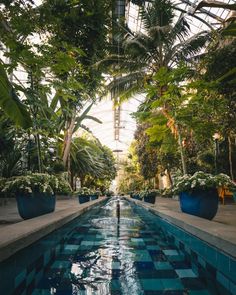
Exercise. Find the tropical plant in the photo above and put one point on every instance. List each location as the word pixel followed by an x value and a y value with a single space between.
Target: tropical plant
pixel 32 183
pixel 164 42
pixel 201 180
pixel 84 191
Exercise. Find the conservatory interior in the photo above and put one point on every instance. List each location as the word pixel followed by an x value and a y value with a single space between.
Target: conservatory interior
pixel 117 147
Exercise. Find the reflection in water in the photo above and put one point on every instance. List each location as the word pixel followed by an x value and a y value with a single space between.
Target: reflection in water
pixel 98 257
pixel 113 261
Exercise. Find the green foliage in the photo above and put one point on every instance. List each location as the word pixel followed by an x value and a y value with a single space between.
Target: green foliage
pixel 63 187
pixel 39 183
pixel 90 158
pixel 147 156
pixel 11 104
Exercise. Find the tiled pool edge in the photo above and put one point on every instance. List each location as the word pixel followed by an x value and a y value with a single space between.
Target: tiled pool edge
pixel 224 238
pixel 20 235
pixel 209 260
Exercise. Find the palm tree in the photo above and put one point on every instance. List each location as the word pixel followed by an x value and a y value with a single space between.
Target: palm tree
pixel 164 42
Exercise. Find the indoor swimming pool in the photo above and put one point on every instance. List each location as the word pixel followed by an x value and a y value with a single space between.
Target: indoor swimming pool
pixel 114 248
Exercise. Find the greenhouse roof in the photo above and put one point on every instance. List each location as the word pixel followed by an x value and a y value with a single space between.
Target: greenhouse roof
pixel 200 19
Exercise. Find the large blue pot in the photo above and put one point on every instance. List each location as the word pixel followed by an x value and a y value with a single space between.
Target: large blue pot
pixel 137 197
pixel 83 198
pixel 35 204
pixel 150 198
pixel 93 197
pixel 202 203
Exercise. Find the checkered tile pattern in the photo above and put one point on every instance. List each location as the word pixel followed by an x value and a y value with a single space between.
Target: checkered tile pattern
pixel 104 257
pixel 99 254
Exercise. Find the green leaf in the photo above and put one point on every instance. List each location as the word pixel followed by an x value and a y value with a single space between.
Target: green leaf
pixel 80 118
pixel 230 30
pixel 11 104
pixel 93 118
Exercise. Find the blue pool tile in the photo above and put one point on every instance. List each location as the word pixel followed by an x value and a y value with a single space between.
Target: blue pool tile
pixel 144 265
pixel 30 277
pixel 199 292
pixel 115 284
pixel 61 264
pixel 170 252
pixel 152 284
pixel 38 277
pixel 153 247
pixel 201 261
pixel 41 292
pixel 222 280
pixel 185 273
pixel 193 283
pixel 232 268
pixel 115 265
pixel 70 248
pixel 157 255
pixel 20 278
pixel 211 255
pixel 180 264
pixel 20 289
pixel 223 263
pixel 87 243
pixel 162 265
pixel 142 255
pixel 232 287
pixel 172 284
pixel 176 258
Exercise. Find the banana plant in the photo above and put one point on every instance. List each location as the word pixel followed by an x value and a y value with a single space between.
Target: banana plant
pixel 72 126
pixel 10 102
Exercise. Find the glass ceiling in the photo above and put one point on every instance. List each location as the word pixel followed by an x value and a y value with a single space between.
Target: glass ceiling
pixel 203 19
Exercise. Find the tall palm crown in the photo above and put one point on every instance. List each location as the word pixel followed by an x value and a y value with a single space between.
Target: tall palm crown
pixel 163 42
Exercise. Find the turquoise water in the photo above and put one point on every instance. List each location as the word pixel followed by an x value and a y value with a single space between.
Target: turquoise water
pixel 117 248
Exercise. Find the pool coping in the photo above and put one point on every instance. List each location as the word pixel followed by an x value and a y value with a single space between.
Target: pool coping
pixel 218 235
pixel 17 236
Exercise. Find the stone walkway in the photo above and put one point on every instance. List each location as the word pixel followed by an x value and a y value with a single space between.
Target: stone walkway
pixel 9 213
pixel 226 213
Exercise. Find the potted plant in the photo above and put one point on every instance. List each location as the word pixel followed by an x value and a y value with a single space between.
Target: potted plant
pixel 35 193
pixel 64 189
pixel 198 193
pixel 136 195
pixel 95 195
pixel 149 195
pixel 83 195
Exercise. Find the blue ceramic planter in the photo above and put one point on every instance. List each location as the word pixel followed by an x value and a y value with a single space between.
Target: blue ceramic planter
pixel 93 197
pixel 83 198
pixel 150 198
pixel 35 204
pixel 202 203
pixel 137 197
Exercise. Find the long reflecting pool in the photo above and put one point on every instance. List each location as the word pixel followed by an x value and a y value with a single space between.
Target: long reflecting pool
pixel 115 248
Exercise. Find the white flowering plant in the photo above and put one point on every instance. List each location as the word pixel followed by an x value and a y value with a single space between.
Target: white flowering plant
pixel 64 187
pixel 83 191
pixel 201 180
pixel 149 193
pixel 32 183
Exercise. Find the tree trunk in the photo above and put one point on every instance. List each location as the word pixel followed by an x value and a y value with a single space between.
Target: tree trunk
pixel 183 160
pixel 37 139
pixel 67 141
pixel 169 176
pixel 230 158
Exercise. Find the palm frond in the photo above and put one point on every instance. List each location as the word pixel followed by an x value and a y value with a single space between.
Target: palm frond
pixel 124 83
pixel 191 46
